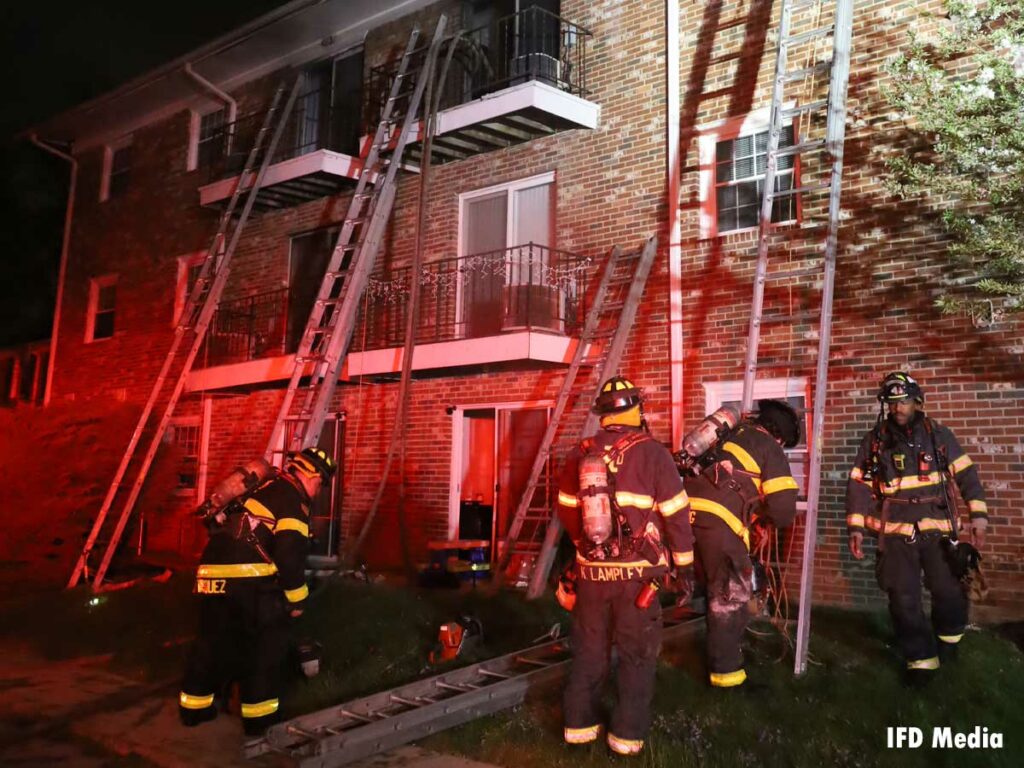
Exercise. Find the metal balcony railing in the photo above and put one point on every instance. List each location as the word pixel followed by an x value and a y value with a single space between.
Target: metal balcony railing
pixel 246 329
pixel 526 287
pixel 533 44
pixel 319 120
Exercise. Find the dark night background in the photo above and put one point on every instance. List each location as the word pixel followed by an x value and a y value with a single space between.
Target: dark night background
pixel 57 55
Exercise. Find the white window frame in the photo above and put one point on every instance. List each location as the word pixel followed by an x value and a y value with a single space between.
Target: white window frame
pixel 95 284
pixel 718 392
pixel 195 119
pixel 185 263
pixel 707 141
pixel 201 420
pixel 510 188
pixel 108 164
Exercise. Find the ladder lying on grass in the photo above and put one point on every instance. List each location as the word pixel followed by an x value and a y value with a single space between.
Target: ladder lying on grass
pixel 534 532
pixel 357 729
pixel 189 334
pixel 816 194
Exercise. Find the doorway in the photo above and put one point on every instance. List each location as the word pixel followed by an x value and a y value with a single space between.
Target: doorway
pixel 493 451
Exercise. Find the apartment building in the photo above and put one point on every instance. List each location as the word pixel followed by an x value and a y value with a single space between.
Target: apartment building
pixel 565 129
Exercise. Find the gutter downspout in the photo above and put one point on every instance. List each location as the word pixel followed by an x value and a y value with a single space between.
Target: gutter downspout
pixel 675 250
pixel 65 247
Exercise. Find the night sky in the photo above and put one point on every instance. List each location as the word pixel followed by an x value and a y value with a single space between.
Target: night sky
pixel 55 55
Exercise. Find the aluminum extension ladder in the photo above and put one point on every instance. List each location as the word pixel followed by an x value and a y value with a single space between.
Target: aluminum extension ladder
pixel 331 322
pixel 535 529
pixel 358 729
pixel 189 334
pixel 833 108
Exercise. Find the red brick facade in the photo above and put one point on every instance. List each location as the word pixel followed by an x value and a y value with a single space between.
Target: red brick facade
pixel 610 187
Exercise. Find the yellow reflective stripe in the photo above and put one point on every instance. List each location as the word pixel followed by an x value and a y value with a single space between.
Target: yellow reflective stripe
pixel 188 701
pixel 621 563
pixel 682 559
pixel 855 520
pixel 728 679
pixel 567 500
pixel 932 663
pixel 295 595
pixel 745 458
pixel 706 505
pixel 961 463
pixel 777 484
pixel 913 481
pixel 291 524
pixel 951 638
pixel 907 529
pixel 259 509
pixel 582 735
pixel 624 746
pixel 267 707
pixel 638 500
pixel 236 570
pixel 977 505
pixel 673 505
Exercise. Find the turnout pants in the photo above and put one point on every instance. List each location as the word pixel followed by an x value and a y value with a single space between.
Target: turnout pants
pixel 605 616
pixel 899 567
pixel 724 565
pixel 243 635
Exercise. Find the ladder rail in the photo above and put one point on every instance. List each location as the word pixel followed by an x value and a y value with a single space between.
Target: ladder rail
pixel 546 558
pixel 835 136
pixel 767 202
pixel 187 313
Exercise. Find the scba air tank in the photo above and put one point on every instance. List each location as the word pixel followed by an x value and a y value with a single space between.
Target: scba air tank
pixel 707 433
pixel 596 506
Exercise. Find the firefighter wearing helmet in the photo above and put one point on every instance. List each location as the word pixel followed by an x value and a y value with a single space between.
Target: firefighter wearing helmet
pixel 250 582
pixel 744 484
pixel 623 505
pixel 898 490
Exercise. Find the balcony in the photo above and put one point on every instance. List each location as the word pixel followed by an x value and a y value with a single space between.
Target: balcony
pixel 525 303
pixel 317 155
pixel 520 78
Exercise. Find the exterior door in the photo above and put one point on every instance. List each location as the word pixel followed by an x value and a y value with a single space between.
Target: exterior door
pixel 483 236
pixel 519 436
pixel 309 256
pixel 325 513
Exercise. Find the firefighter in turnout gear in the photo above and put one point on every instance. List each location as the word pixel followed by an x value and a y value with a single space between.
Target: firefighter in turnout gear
pixel 623 505
pixel 897 489
pixel 250 582
pixel 745 483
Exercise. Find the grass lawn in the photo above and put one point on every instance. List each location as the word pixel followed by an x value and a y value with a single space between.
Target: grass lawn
pixel 376 637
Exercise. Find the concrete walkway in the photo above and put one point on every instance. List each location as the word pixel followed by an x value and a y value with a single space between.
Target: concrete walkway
pixel 79 713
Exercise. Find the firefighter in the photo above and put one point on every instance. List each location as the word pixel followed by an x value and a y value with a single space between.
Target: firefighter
pixel 746 485
pixel 897 490
pixel 251 581
pixel 629 519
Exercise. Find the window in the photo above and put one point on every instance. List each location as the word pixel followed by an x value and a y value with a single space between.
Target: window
pixel 208 138
pixel 733 161
pixel 117 166
pixel 740 166
pixel 102 308
pixel 189 267
pixel 185 434
pixel 509 230
pixel 793 391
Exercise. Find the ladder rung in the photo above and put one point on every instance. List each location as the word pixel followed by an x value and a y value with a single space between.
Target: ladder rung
pixel 355 716
pixel 533 662
pixel 492 673
pixel 790 274
pixel 804 146
pixel 801 190
pixel 613 306
pixel 800 74
pixel 811 106
pixel 813 34
pixel 787 317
